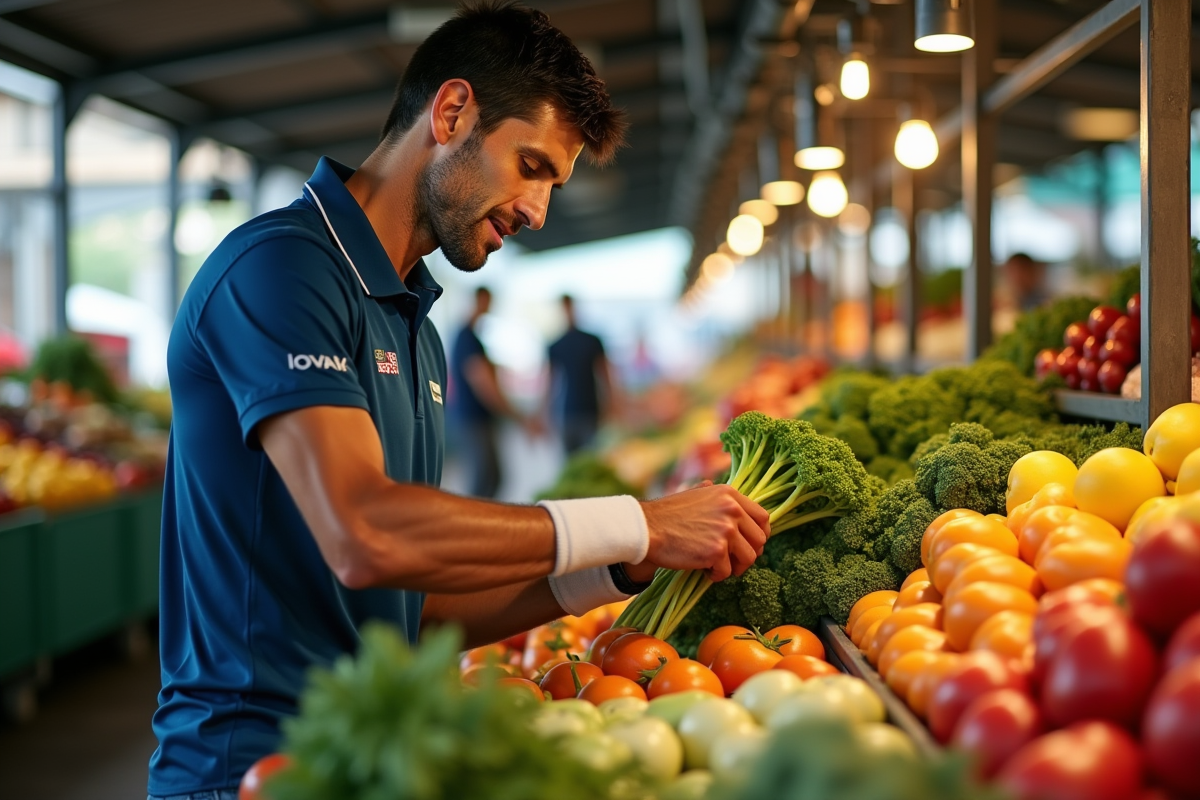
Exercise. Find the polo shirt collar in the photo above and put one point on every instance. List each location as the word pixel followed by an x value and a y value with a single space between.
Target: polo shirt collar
pixel 352 232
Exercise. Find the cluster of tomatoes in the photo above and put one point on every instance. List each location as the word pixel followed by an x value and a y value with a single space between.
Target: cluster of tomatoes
pixel 587 659
pixel 1099 351
pixel 1059 649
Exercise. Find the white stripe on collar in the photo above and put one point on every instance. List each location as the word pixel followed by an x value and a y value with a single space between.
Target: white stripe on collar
pixel 329 225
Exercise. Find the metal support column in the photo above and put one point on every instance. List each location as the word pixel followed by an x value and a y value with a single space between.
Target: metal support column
pixel 174 200
pixel 1166 27
pixel 62 225
pixel 978 160
pixel 904 200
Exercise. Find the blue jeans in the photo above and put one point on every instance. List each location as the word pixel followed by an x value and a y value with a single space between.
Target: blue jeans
pixel 211 794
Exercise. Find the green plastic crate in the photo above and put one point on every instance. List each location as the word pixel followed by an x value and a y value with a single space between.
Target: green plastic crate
pixel 144 521
pixel 82 569
pixel 19 532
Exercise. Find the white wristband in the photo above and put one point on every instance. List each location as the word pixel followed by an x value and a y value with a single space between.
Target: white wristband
pixel 580 592
pixel 596 532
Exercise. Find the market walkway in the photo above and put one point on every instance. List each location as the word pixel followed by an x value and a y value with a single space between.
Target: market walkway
pixel 91 739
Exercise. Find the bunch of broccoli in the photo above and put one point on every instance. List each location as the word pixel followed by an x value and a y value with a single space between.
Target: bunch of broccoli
pixel 585 475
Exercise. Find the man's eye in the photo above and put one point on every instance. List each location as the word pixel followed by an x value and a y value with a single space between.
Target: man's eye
pixel 529 169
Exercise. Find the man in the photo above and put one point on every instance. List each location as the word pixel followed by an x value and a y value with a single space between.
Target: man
pixel 308 428
pixel 580 376
pixel 1026 281
pixel 476 403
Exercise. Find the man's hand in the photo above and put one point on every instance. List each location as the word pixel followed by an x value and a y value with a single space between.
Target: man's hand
pixel 710 528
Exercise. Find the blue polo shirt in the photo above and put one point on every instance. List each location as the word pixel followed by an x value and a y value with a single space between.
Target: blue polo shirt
pixel 298 307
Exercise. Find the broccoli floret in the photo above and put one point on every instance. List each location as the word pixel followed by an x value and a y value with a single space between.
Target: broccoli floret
pixel 854 432
pixel 904 538
pixel 970 471
pixel 889 468
pixel 855 577
pixel 909 411
pixel 853 532
pixel 804 579
pixel 760 598
pixel 895 501
pixel 849 393
pixel 1122 435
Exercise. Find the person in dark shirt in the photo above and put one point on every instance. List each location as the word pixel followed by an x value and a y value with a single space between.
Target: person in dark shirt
pixel 477 404
pixel 581 386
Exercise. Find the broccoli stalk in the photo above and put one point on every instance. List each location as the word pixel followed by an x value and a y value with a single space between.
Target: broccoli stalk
pixel 789 469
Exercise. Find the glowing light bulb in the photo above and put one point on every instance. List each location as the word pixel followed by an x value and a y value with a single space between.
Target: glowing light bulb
pixel 856 78
pixel 745 235
pixel 827 194
pixel 717 268
pixel 764 211
pixel 783 193
pixel 944 43
pixel 818 158
pixel 916 144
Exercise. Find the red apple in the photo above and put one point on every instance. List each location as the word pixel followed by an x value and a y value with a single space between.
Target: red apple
pixel 1111 376
pixel 1043 362
pixel 1068 362
pixel 1101 319
pixel 1074 335
pixel 1119 351
pixel 1087 369
pixel 1125 329
pixel 1091 347
pixel 1133 309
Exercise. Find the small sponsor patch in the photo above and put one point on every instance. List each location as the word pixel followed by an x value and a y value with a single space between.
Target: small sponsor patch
pixel 435 389
pixel 307 361
pixel 385 361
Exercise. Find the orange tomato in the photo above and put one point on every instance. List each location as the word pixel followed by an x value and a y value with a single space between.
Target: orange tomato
pixel 936 526
pixel 684 675
pixel 1052 494
pixel 1038 526
pixel 610 687
pixel 869 636
pixel 805 667
pixel 955 559
pixel 800 641
pixel 488 654
pixel 978 530
pixel 1008 633
pixel 524 685
pixel 636 653
pixel 715 640
pixel 559 682
pixel 741 658
pixel 1000 569
pixel 1079 560
pixel 883 597
pixel 906 667
pixel 917 592
pixel 1104 589
pixel 866 620
pixel 474 674
pixel 914 637
pixel 973 604
pixel 927 614
pixel 546 641
pixel 916 576
pixel 603 641
pixel 1073 531
pixel 925 681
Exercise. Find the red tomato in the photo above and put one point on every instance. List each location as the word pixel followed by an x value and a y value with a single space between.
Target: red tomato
pixel 265 767
pixel 1091 350
pixel 546 642
pixel 1104 671
pixel 805 667
pixel 1110 376
pixel 1133 309
pixel 560 681
pixel 473 675
pixel 524 685
pixel 633 654
pixel 715 640
pixel 610 687
pixel 1074 334
pixel 799 641
pixel 994 726
pixel 1184 645
pixel 684 675
pixel 1171 730
pixel 974 675
pixel 1162 580
pixel 1101 319
pixel 1126 329
pixel 738 659
pixel 1087 761
pixel 603 641
pixel 1043 362
pixel 1060 623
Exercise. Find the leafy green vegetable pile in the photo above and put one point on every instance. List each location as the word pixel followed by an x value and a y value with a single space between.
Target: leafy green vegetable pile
pixel 396 722
pixel 1039 329
pixel 585 475
pixel 73 360
pixel 829 760
pixel 799 476
pixel 1129 281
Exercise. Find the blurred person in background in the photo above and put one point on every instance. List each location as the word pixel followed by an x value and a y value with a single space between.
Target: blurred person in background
pixel 478 404
pixel 1026 281
pixel 581 389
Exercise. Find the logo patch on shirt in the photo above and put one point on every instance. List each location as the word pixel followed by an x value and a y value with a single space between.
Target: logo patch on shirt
pixel 435 389
pixel 303 362
pixel 385 362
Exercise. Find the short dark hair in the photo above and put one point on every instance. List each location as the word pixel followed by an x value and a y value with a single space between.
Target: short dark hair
pixel 567 300
pixel 516 63
pixel 483 292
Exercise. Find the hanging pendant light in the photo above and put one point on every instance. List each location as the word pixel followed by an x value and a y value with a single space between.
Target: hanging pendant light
pixel 916 144
pixel 745 235
pixel 944 26
pixel 827 195
pixel 764 211
pixel 783 193
pixel 856 78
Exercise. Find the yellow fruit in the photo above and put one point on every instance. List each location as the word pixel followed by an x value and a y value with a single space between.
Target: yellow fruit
pixel 1114 482
pixel 1188 480
pixel 1172 436
pixel 1034 470
pixel 1151 512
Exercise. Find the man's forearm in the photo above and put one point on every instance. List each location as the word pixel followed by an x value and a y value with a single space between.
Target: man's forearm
pixel 494 614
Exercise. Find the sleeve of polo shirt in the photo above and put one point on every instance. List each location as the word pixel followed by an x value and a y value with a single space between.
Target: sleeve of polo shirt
pixel 279 328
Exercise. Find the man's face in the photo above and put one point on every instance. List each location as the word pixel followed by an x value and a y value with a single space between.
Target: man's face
pixel 491 185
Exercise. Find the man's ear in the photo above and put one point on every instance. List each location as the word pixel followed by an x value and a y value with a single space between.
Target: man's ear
pixel 453 112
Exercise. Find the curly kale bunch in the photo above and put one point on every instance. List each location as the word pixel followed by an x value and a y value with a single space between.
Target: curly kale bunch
pixel 1038 329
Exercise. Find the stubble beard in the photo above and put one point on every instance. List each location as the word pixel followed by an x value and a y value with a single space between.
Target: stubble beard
pixel 451 206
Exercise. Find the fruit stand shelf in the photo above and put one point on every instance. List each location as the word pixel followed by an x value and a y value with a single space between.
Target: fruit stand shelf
pixel 843 654
pixel 1100 406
